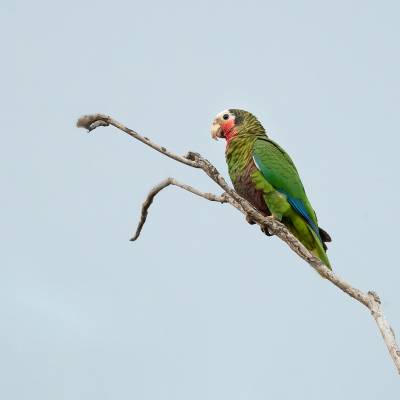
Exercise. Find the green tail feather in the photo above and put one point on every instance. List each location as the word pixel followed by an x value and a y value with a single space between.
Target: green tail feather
pixel 306 235
pixel 319 250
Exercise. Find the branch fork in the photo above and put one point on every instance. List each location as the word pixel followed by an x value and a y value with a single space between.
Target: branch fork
pixel 370 300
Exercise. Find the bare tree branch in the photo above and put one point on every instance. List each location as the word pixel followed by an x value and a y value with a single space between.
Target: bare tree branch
pixel 91 122
pixel 162 185
pixel 370 299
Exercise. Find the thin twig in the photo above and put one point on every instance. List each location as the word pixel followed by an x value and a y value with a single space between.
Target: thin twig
pixel 91 122
pixel 162 185
pixel 370 299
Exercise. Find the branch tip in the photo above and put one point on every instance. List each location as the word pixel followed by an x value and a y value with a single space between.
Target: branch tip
pixel 92 121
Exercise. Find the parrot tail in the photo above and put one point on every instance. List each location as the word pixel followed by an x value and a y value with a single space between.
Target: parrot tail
pixel 319 249
pixel 306 235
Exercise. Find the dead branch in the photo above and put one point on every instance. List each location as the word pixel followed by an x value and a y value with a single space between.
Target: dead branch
pixel 162 185
pixel 370 299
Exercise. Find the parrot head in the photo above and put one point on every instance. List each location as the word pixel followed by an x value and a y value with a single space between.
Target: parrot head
pixel 234 122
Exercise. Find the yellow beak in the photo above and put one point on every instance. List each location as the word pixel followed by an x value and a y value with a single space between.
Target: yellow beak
pixel 216 131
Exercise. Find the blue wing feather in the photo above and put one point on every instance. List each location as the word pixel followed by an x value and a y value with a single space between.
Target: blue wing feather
pixel 299 207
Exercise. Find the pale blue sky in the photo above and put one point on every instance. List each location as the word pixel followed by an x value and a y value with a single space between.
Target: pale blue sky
pixel 203 306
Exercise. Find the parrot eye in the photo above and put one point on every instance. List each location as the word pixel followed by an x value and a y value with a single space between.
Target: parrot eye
pixel 225 116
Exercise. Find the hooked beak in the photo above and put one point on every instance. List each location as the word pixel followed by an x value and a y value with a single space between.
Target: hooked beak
pixel 216 130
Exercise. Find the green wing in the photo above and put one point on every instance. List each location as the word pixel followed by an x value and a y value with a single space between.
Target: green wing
pixel 279 170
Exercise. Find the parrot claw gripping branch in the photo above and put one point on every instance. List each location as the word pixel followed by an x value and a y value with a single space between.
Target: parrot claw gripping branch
pixel 269 224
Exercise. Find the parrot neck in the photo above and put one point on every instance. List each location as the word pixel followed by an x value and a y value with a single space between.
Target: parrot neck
pixel 239 146
pixel 239 153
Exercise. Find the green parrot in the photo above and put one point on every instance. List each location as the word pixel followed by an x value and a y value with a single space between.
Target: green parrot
pixel 264 174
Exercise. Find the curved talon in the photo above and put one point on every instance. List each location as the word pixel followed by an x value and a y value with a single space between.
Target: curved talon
pixel 265 230
pixel 249 220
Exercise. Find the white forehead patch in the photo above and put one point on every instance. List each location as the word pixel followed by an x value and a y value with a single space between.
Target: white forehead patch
pixel 222 113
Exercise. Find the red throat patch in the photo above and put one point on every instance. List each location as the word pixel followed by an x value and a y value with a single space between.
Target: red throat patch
pixel 229 130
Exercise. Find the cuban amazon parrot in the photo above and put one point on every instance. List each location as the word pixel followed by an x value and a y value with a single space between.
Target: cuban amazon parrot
pixel 264 174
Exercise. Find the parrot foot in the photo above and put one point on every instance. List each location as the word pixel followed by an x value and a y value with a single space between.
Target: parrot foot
pixel 265 230
pixel 249 220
